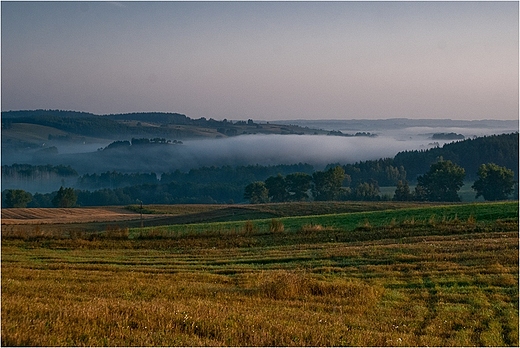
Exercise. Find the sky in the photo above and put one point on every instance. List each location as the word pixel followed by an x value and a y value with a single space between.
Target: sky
pixel 264 60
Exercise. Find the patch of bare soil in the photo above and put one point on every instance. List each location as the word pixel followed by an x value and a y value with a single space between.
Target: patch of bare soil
pixel 26 216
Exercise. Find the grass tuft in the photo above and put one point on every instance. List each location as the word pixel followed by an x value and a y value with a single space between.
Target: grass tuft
pixel 315 228
pixel 249 227
pixel 115 232
pixel 276 226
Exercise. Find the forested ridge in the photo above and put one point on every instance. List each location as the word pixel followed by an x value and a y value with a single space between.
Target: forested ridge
pixel 469 154
pixel 138 124
pixel 226 184
pixel 88 124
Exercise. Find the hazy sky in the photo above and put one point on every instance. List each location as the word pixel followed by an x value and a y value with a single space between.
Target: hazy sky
pixel 264 60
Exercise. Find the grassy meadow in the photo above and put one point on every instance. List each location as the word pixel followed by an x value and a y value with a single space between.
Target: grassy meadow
pixel 372 275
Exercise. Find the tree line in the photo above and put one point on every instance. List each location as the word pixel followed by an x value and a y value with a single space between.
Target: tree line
pixel 202 185
pixel 440 183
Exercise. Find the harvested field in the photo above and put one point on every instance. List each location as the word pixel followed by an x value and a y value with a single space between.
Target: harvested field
pixel 430 276
pixel 31 216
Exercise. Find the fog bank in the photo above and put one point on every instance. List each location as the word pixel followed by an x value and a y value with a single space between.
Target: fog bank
pixel 241 150
pixel 282 149
pixel 391 137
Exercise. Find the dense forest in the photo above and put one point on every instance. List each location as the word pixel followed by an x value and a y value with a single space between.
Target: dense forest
pixel 469 154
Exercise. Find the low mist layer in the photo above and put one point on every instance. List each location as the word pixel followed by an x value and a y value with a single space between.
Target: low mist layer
pixel 242 150
pixel 278 149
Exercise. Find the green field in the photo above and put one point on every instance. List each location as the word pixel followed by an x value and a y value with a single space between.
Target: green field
pixel 391 214
pixel 379 275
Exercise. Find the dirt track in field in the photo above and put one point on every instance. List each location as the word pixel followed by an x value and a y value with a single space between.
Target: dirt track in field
pixel 29 216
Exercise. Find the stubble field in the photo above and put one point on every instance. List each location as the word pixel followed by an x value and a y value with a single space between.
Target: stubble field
pixel 398 276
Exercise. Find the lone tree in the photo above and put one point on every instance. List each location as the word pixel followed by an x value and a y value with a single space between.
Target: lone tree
pixel 256 193
pixel 17 198
pixel 65 198
pixel 441 183
pixel 494 182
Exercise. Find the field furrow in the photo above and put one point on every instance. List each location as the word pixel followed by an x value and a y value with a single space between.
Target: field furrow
pixel 433 282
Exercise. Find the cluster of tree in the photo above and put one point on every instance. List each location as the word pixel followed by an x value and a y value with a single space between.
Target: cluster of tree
pixel 382 170
pixel 445 178
pixel 447 136
pixel 469 154
pixel 118 144
pixel 440 184
pixel 357 134
pixel 36 172
pixel 16 198
pixel 329 185
pixel 63 198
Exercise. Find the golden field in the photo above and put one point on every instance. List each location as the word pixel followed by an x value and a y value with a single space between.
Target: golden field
pixel 386 282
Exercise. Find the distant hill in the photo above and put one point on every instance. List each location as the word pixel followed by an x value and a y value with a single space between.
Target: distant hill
pixel 400 123
pixel 145 124
pixel 43 113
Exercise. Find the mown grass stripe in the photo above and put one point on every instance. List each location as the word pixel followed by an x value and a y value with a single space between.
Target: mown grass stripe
pixel 481 212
